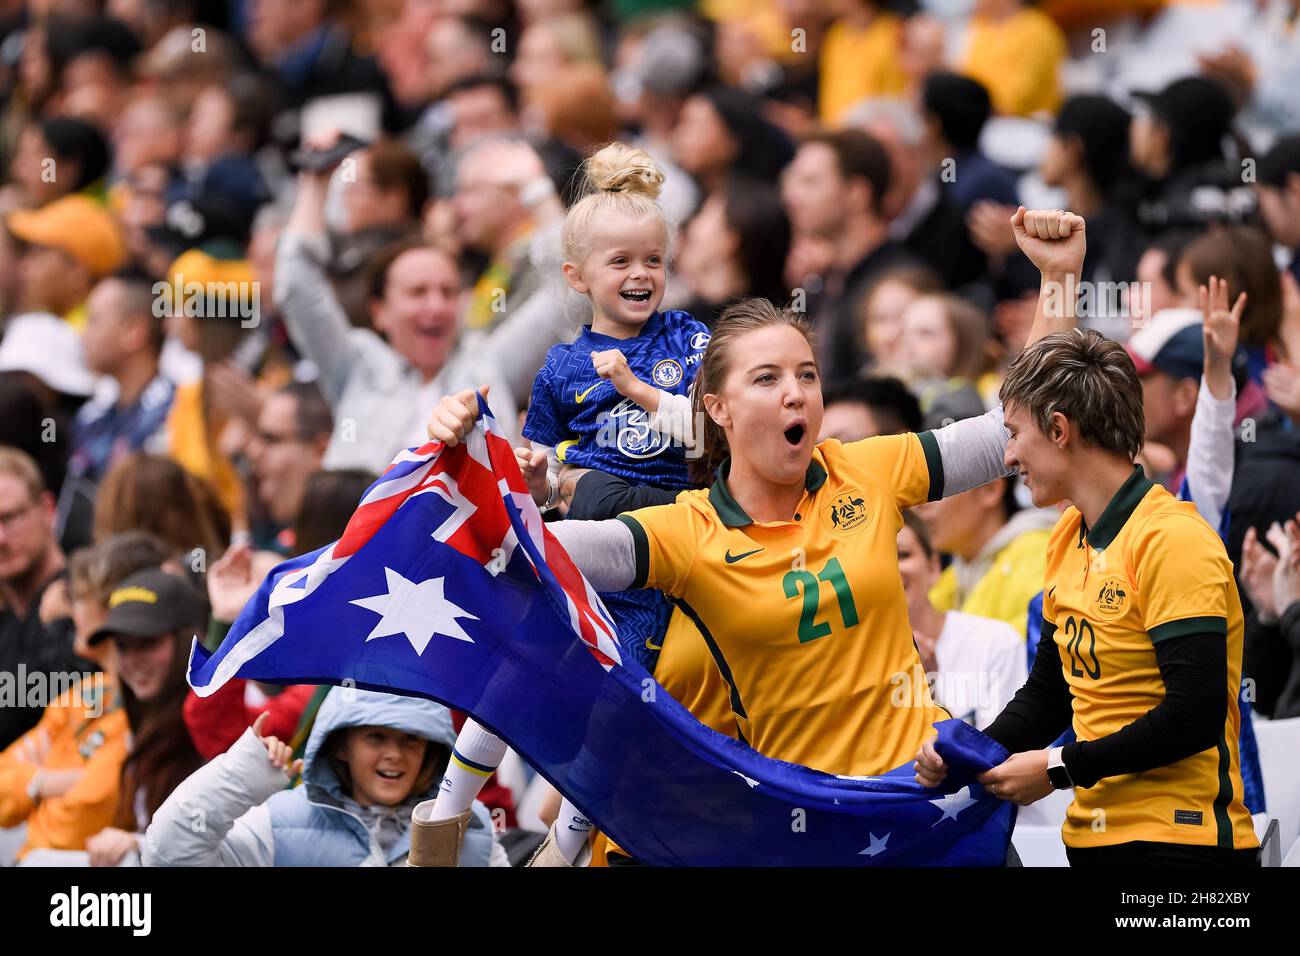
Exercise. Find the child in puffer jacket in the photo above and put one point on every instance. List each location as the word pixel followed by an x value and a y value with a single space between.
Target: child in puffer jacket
pixel 370 758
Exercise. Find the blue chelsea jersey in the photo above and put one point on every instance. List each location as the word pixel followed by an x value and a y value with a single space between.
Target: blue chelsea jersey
pixel 589 424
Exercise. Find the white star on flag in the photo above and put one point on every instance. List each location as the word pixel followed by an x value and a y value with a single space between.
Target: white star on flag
pixel 877 845
pixel 953 804
pixel 417 610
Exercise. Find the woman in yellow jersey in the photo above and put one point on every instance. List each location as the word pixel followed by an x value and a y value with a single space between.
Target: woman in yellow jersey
pixel 1141 644
pixel 788 563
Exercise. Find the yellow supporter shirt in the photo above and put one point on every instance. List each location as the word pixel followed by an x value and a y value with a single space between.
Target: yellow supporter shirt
pixel 1013 579
pixel 764 18
pixel 192 448
pixel 806 620
pixel 1151 570
pixel 857 63
pixel 1019 61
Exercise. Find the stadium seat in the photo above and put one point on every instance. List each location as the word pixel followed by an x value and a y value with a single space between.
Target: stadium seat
pixel 1293 856
pixel 1039 845
pixel 1015 141
pixel 1270 847
pixel 1047 812
pixel 1037 837
pixel 1279 742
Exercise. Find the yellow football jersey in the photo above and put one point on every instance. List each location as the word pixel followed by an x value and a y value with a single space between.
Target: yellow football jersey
pixel 1151 570
pixel 686 670
pixel 806 619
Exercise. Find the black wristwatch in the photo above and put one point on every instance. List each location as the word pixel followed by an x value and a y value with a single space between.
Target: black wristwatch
pixel 1057 775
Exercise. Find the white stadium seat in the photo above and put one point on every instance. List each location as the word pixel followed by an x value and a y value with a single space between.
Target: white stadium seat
pixel 1279 748
pixel 1037 837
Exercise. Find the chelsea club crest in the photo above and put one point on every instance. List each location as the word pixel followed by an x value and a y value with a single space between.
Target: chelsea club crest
pixel 666 373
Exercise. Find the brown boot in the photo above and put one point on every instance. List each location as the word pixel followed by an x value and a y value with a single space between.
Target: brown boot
pixel 547 854
pixel 436 842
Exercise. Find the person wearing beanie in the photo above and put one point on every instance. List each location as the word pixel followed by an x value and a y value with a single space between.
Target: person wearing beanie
pixel 669 65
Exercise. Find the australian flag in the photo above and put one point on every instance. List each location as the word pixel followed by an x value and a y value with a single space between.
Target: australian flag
pixel 446 584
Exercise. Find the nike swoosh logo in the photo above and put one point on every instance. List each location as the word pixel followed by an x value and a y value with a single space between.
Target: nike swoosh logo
pixel 579 396
pixel 653 646
pixel 733 558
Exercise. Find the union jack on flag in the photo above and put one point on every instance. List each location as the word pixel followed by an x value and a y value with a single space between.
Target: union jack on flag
pixel 480 514
pixel 446 584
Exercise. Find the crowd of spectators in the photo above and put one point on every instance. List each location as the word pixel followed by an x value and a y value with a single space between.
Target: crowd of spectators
pixel 247 246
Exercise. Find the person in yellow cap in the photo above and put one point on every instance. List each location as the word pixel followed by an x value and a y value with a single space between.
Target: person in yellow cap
pixel 205 293
pixel 70 244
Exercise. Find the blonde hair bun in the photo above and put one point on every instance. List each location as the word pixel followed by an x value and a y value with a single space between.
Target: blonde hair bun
pixel 620 168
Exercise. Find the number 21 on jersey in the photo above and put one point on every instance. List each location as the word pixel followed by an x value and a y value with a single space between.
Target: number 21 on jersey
pixel 809 584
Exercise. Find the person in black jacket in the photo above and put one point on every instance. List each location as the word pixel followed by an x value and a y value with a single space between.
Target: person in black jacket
pixel 32 651
pixel 1273 627
pixel 1175 141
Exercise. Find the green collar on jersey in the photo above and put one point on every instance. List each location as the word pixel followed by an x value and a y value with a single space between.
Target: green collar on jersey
pixel 734 516
pixel 1117 511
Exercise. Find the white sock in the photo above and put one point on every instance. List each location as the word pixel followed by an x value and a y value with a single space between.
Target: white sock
pixel 477 754
pixel 571 830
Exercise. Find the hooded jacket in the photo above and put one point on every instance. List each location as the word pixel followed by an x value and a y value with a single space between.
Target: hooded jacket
pixel 236 811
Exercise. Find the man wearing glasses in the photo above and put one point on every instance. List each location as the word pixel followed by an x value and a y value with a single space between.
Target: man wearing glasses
pixel 31 563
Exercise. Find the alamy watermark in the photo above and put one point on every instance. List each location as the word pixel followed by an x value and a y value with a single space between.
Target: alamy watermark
pixel 24 688
pixel 223 300
pixel 1098 299
pixel 959 690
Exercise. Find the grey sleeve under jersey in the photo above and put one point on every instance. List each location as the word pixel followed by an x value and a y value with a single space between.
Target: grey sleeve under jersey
pixel 602 550
pixel 972 452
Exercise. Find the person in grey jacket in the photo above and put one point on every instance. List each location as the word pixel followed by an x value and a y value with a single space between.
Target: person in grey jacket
pixel 378 383
pixel 370 759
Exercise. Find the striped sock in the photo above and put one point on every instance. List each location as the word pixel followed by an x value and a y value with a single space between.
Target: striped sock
pixel 477 754
pixel 571 830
